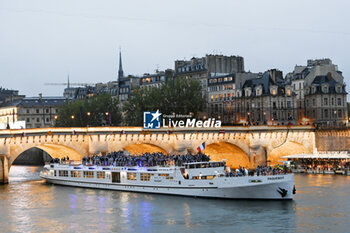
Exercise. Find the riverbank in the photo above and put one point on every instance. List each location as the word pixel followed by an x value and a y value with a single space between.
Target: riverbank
pixel 322 171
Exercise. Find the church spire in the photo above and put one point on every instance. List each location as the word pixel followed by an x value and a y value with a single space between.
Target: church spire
pixel 120 72
pixel 68 80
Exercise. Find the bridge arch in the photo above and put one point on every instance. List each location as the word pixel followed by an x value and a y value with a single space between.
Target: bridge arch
pixel 54 150
pixel 140 148
pixel 234 155
pixel 288 148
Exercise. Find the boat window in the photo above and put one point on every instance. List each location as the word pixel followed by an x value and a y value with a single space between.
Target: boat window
pixel 145 176
pixel 131 176
pixel 75 174
pixel 54 173
pixel 100 175
pixel 198 165
pixel 192 166
pixel 63 173
pixel 88 174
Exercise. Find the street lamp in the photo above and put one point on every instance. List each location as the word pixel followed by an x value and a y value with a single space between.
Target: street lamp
pixel 56 117
pixel 72 116
pixel 88 113
pixel 107 113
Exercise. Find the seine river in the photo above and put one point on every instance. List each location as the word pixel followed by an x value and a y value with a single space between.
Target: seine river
pixel 322 204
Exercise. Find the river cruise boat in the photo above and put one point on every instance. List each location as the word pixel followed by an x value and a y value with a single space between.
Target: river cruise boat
pixel 198 179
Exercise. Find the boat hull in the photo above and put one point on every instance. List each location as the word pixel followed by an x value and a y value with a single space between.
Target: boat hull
pixel 281 190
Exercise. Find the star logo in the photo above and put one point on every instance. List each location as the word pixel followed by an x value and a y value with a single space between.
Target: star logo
pixel 151 120
pixel 156 115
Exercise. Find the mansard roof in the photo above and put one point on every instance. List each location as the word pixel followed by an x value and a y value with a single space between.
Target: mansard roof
pixel 329 80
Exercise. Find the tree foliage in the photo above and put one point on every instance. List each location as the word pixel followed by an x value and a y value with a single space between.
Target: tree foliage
pixel 182 96
pixel 96 111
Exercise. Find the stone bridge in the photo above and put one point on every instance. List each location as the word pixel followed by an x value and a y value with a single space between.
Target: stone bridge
pixel 240 146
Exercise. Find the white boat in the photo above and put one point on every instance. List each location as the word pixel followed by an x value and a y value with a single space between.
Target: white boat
pixel 199 179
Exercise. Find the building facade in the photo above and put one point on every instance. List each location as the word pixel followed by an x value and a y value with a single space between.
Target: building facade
pixel 321 93
pixel 36 112
pixel 252 99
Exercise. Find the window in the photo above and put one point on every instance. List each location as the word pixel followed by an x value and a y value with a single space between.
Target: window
pixel 325 101
pixel 75 174
pixel 166 176
pixel 313 102
pixel 28 119
pixel 47 110
pixel 274 92
pixel 100 175
pixel 326 113
pixel 37 111
pixel 37 119
pixel 63 173
pixel 289 105
pixel 339 101
pixel 145 176
pixel 47 119
pixel 131 176
pixel 88 174
pixel 212 98
pixel 299 85
pixel 339 113
pixel 27 110
pixel 288 92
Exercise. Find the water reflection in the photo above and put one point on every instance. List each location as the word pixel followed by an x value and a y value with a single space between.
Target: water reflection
pixel 28 204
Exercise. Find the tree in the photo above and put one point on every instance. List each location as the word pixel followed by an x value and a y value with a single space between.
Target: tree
pixel 96 111
pixel 182 97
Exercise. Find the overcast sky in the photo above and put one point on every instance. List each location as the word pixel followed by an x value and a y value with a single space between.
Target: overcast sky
pixel 43 40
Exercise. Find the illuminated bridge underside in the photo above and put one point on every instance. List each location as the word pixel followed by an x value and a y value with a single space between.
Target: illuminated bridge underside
pixel 235 156
pixel 59 151
pixel 141 148
pixel 289 148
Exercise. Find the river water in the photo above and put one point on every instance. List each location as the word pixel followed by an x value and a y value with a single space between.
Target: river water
pixel 28 204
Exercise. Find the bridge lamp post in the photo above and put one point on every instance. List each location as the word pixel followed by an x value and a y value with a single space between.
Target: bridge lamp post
pixel 72 116
pixel 88 113
pixel 56 117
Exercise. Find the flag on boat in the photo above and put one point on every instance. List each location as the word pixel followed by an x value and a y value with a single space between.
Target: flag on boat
pixel 201 147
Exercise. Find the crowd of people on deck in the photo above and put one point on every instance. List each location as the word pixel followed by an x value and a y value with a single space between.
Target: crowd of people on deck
pixel 120 158
pixel 259 171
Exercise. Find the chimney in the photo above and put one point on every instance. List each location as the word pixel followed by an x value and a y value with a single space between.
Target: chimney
pixel 40 96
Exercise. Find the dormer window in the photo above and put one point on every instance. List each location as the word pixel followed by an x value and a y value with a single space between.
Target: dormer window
pixel 289 92
pixel 325 89
pixel 313 89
